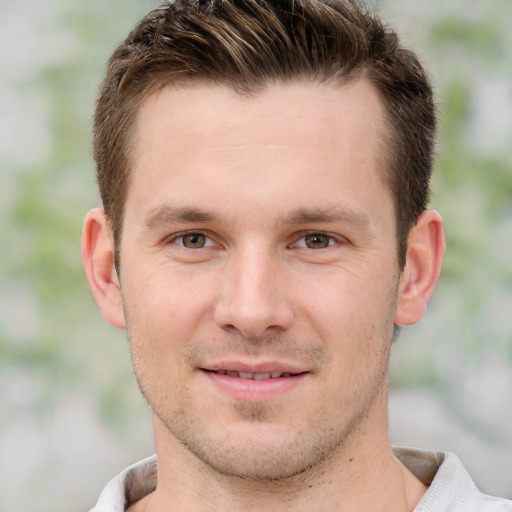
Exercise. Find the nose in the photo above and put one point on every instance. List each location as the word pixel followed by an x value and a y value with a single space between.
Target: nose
pixel 253 297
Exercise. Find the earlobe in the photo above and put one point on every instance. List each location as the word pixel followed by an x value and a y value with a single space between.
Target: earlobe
pixel 425 252
pixel 98 261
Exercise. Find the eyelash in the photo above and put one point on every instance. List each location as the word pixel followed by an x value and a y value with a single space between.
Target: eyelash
pixel 176 237
pixel 332 240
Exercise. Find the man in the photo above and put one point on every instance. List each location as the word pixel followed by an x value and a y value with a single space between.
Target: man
pixel 264 168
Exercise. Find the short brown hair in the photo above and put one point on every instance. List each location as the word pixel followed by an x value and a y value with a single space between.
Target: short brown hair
pixel 246 44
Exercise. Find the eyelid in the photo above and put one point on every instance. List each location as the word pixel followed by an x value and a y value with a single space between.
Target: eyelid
pixel 301 235
pixel 172 239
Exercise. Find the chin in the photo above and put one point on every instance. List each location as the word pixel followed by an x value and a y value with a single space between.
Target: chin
pixel 257 450
pixel 257 461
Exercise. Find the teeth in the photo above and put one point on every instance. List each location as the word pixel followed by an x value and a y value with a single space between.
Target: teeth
pixel 253 376
pixel 261 376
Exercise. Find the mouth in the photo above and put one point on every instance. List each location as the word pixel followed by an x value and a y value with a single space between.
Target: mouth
pixel 255 375
pixel 255 383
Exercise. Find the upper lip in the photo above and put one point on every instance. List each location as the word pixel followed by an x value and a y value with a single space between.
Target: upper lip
pixel 260 367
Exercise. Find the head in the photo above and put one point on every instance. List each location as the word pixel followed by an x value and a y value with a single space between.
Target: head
pixel 248 45
pixel 259 165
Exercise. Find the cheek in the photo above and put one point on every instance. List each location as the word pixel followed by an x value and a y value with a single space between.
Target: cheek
pixel 155 346
pixel 161 298
pixel 352 316
pixel 164 311
pixel 343 298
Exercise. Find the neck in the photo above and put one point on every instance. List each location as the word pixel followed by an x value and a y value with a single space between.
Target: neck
pixel 362 475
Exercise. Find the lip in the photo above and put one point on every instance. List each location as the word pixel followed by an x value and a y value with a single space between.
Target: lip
pixel 255 390
pixel 260 367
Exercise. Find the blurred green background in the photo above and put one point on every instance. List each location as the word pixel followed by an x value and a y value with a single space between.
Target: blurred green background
pixel 70 413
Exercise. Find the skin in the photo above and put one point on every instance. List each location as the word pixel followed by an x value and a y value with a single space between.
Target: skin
pixel 259 236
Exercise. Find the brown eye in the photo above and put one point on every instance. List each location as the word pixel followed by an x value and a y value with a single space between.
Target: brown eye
pixel 317 241
pixel 194 240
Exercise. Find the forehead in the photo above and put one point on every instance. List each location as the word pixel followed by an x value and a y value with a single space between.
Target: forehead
pixel 288 139
pixel 218 114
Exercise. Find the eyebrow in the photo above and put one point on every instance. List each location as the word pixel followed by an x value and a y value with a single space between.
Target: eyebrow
pixel 166 214
pixel 329 215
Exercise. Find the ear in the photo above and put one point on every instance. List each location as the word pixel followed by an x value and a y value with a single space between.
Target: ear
pixel 425 252
pixel 98 261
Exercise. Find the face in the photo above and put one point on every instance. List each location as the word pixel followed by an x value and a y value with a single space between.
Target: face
pixel 259 273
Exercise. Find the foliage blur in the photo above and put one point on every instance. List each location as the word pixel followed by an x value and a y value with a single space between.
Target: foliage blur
pixel 70 413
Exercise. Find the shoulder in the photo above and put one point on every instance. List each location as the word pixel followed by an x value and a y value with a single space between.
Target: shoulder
pixel 451 489
pixel 128 487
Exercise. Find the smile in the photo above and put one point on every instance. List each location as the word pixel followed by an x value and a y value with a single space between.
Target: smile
pixel 256 385
pixel 253 376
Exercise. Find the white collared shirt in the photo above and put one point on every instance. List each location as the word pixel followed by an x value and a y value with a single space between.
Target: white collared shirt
pixel 450 486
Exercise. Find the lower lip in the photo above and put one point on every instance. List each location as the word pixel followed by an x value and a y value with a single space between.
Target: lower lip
pixel 255 390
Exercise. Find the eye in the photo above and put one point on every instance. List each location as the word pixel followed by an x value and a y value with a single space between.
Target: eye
pixel 315 241
pixel 193 240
